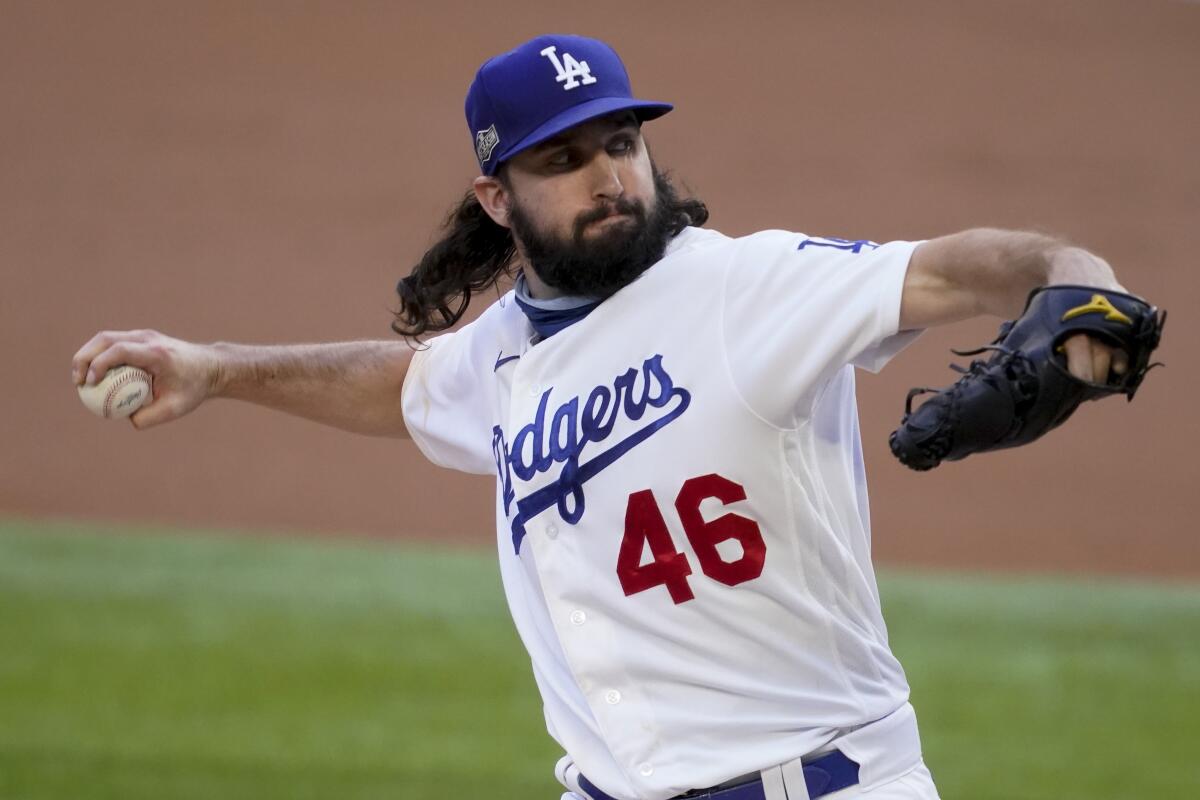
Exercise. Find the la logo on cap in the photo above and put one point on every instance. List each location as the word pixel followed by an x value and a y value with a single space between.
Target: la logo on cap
pixel 515 103
pixel 569 69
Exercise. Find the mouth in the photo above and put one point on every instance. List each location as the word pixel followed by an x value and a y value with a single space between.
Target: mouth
pixel 616 216
pixel 613 217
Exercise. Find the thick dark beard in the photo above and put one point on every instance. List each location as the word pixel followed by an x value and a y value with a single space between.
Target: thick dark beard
pixel 600 267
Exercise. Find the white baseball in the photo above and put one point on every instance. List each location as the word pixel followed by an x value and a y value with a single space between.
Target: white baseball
pixel 122 391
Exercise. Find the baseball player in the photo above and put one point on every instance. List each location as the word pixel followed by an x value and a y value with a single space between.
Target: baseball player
pixel 670 417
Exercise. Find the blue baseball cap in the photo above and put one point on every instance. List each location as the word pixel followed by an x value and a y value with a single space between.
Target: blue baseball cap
pixel 545 86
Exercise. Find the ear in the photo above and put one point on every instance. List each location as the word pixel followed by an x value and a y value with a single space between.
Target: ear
pixel 494 198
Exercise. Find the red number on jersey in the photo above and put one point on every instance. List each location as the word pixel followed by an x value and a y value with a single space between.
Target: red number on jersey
pixel 644 525
pixel 705 536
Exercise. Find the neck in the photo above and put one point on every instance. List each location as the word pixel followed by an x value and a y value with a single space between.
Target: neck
pixel 537 289
pixel 556 301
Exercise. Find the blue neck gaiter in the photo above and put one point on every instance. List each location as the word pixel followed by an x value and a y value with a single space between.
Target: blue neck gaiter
pixel 548 317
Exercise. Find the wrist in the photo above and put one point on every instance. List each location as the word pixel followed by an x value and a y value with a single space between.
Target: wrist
pixel 220 372
pixel 1078 266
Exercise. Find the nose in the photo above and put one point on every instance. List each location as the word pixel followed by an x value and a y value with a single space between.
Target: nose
pixel 606 178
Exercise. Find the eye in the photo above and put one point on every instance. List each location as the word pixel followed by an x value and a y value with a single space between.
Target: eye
pixel 560 159
pixel 622 146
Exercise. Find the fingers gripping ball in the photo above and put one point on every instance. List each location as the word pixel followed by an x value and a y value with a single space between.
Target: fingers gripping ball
pixel 122 391
pixel 1024 388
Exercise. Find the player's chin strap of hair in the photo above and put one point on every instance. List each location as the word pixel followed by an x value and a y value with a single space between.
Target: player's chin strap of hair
pixel 548 317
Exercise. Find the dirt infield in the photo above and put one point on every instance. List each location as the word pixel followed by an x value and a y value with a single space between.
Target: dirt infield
pixel 265 172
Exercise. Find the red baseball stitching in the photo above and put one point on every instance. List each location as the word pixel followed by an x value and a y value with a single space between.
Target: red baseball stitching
pixel 136 373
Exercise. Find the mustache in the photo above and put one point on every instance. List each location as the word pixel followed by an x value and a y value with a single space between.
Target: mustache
pixel 622 205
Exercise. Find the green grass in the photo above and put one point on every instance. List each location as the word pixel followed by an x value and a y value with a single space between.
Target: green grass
pixel 223 667
pixel 237 667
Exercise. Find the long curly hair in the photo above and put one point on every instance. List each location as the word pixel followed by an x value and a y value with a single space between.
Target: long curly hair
pixel 475 253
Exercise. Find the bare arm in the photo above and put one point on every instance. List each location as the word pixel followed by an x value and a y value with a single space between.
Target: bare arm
pixel 988 271
pixel 354 386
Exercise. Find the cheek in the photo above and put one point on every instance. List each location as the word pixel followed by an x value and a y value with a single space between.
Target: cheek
pixel 639 180
pixel 551 213
pixel 562 207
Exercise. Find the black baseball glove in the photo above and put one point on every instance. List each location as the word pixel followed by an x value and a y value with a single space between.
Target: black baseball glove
pixel 1024 389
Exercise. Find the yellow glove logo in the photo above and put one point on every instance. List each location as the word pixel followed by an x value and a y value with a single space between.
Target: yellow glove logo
pixel 1098 305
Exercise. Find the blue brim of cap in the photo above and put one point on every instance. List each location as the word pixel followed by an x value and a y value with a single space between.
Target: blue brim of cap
pixel 577 115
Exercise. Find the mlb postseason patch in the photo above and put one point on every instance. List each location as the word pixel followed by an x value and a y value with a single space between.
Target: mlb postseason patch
pixel 485 143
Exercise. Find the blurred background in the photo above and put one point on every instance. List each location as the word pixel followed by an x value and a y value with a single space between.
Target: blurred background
pixel 266 171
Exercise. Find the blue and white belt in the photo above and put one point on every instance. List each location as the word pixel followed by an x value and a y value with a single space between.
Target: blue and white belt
pixel 828 774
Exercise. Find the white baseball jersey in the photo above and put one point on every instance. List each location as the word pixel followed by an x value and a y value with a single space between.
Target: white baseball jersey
pixel 681 503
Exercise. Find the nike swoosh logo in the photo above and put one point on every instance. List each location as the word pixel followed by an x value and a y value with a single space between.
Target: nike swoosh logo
pixel 501 360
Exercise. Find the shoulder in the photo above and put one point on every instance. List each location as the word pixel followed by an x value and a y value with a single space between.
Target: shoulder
pixel 708 258
pixel 691 239
pixel 702 241
pixel 501 325
pixel 500 319
pixel 696 241
pixel 817 255
pixel 702 253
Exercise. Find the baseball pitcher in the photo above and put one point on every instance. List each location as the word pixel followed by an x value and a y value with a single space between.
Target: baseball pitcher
pixel 669 413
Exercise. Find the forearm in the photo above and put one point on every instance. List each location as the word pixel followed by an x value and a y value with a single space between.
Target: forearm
pixel 988 271
pixel 354 386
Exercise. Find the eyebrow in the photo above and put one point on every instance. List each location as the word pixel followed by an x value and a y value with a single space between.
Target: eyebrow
pixel 564 138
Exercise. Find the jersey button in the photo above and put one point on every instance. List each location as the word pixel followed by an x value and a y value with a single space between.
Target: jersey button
pixel 645 770
pixel 552 531
pixel 578 617
pixel 612 697
pixel 534 391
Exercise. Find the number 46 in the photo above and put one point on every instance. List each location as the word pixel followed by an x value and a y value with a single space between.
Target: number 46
pixel 644 525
